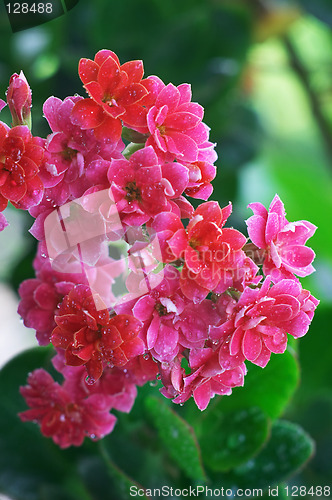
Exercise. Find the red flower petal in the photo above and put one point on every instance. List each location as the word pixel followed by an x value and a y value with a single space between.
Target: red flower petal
pixel 88 70
pixel 109 130
pixel 134 70
pixel 33 195
pixel 110 77
pixel 87 114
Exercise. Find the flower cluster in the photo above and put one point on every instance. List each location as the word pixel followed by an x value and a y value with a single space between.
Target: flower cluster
pixel 132 283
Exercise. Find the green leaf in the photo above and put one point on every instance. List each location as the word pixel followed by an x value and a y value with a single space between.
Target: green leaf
pixel 270 389
pixel 121 482
pixel 316 418
pixel 31 466
pixel 311 354
pixel 177 437
pixel 289 448
pixel 230 439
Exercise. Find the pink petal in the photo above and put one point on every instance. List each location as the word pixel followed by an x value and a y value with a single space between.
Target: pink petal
pixel 258 209
pixel 169 96
pixel 181 121
pixel 202 395
pixel 167 340
pixel 297 255
pixel 3 222
pixel 185 93
pixel 186 147
pixel 152 333
pixel 277 343
pixel 251 345
pixel 45 296
pixel 256 230
pixel 272 227
pixel 298 326
pixel 236 342
pixel 178 243
pixel 50 110
pixel 144 308
pixel 288 287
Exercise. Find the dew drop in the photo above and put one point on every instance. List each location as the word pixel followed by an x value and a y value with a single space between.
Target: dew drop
pixel 90 380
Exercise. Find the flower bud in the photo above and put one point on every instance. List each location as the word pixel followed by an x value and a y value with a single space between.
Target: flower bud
pixel 19 100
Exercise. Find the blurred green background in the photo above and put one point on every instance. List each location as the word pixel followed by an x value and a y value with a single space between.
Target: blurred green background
pixel 262 69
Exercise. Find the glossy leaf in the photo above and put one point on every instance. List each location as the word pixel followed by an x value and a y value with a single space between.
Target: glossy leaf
pixel 289 448
pixel 177 437
pixel 31 466
pixel 230 439
pixel 311 353
pixel 270 389
pixel 122 483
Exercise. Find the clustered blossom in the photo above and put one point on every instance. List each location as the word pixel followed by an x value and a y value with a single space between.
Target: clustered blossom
pixel 283 242
pixel 200 300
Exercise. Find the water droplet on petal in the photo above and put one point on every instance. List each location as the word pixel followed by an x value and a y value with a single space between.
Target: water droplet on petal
pixel 90 380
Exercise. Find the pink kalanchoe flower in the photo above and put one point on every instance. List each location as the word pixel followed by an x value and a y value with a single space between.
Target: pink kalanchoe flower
pixel 193 323
pixel 61 414
pixel 113 89
pixel 175 124
pixel 74 159
pixel 284 242
pixel 21 156
pixel 158 311
pixel 91 337
pixel 201 173
pixel 204 388
pixel 141 187
pixel 201 385
pixel 208 249
pixel 141 369
pixel 259 322
pixel 115 384
pixel 40 296
pixel 19 100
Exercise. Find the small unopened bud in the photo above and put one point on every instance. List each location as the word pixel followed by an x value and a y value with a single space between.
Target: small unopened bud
pixel 19 100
